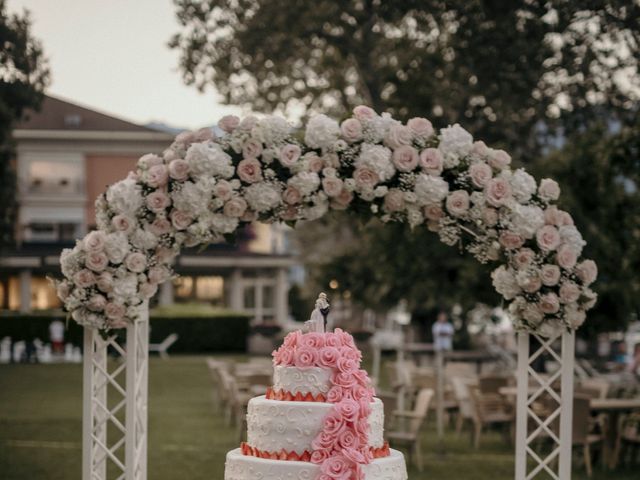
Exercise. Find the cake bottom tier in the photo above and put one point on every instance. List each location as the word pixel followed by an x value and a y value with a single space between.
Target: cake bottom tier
pixel 241 467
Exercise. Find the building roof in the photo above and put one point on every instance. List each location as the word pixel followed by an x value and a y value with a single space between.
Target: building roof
pixel 57 114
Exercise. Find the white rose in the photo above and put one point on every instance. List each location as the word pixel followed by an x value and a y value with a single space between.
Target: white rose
pixel 125 197
pixel 549 190
pixel 262 197
pixel 322 132
pixel 208 159
pixel 116 247
pixel 526 220
pixel 455 141
pixel 430 189
pixel 523 185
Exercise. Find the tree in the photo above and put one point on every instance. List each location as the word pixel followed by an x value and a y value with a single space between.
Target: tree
pixel 24 74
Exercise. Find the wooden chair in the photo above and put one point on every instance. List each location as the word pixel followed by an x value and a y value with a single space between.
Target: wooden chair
pixel 628 439
pixel 582 431
pixel 465 407
pixel 489 409
pixel 598 385
pixel 410 437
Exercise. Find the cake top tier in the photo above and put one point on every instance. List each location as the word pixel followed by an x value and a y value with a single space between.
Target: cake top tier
pixel 336 350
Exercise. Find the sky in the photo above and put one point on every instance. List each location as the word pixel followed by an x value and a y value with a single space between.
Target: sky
pixel 112 56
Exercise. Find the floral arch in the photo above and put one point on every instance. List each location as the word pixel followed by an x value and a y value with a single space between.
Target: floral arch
pixel 205 186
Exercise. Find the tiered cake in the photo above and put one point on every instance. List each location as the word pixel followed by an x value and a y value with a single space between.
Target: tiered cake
pixel 320 420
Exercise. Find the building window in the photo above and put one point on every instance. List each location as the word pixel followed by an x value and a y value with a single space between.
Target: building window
pixel 201 288
pixel 54 177
pixel 249 297
pixel 51 232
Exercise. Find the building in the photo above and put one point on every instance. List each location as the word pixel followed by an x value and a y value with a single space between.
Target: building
pixel 66 156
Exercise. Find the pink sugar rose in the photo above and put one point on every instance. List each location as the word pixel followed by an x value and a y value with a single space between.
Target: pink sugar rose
pixel 292 339
pixel 365 177
pixel 252 148
pixel 490 216
pixel 332 340
pixel 338 467
pixel 362 112
pixel 457 203
pixel 96 261
pixel 566 257
pixel 348 439
pixel 345 380
pixel 431 161
pixel 158 176
pixel 123 223
pixel 480 173
pixel 353 455
pixel 291 196
pixel 362 378
pixel 499 159
pixel 550 275
pixel 136 262
pixel 569 292
pixel 114 311
pixel 305 357
pixel 548 190
pixel 360 392
pixel 104 282
pixel 336 393
pixel 351 353
pixel 420 127
pixel 394 200
pixel 405 158
pixel 397 136
pixel 312 340
pixel 351 130
pixel 549 303
pixel 289 155
pixel 510 240
pixel 160 226
pixel 235 207
pixel 179 169
pixel 332 186
pixel 497 192
pixel 347 365
pixel 334 423
pixel 364 404
pixel 346 339
pixel 229 123
pixel 223 190
pixel 180 220
pixel 249 170
pixel 587 271
pixel 283 356
pixel 523 258
pixel 548 238
pixel 362 427
pixel 323 441
pixel 94 241
pixel 433 212
pixel 318 457
pixel 96 303
pixel 158 201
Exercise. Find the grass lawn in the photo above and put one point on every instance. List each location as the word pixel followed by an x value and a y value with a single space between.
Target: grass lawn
pixel 41 420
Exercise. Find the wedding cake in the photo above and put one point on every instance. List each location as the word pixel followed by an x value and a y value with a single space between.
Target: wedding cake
pixel 320 420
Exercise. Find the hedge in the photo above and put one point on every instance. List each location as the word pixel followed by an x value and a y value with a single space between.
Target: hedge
pixel 200 329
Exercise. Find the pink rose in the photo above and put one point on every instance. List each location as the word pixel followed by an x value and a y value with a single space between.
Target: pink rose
pixel 318 457
pixel 531 283
pixel 289 213
pixel 362 112
pixel 149 160
pixel 252 148
pixel 96 303
pixel 284 357
pixel 291 196
pixel 480 149
pixel 315 164
pixel 104 282
pixel 203 134
pixel 96 261
pixel 94 241
pixel 347 365
pixel 158 176
pixel 566 257
pixel 587 272
pixel 343 200
pixel 351 130
pixel 510 240
pixel 235 207
pixel 336 393
pixel 136 262
pixel 490 216
pixel 433 212
pixel 179 169
pixel 180 220
pixel 365 177
pixel 397 136
pixel 565 218
pixel 394 200
pixel 165 255
pixel 420 127
pixel 229 123
pixel 305 357
pixel 63 290
pixel 499 159
pixel 548 190
pixel 122 223
pixel 312 340
pixel 550 275
pixel 249 170
pixel 158 201
pixel 332 186
pixel 158 274
pixel 405 158
pixel 223 190
pixel 333 423
pixel 330 160
pixel 148 290
pixel 523 258
pixel 345 380
pixel 348 439
pixel 457 203
pixel 480 173
pixel 569 292
pixel 431 161
pixel 549 303
pixel 289 155
pixel 552 216
pixel 497 192
pixel 185 138
pixel 248 122
pixel 160 226
pixel 114 311
pixel 548 238
pixel 337 467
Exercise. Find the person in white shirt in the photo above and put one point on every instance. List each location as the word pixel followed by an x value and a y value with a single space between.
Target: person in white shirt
pixel 56 335
pixel 442 333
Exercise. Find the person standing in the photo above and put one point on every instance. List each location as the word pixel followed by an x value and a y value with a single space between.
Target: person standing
pixel 56 335
pixel 442 333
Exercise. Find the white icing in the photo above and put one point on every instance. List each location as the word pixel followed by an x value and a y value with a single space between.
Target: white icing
pixel 302 379
pixel 274 425
pixel 241 467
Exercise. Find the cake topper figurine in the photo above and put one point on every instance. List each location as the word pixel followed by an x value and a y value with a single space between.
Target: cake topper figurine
pixel 318 320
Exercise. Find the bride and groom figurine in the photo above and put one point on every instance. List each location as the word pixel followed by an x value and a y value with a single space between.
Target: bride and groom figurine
pixel 318 320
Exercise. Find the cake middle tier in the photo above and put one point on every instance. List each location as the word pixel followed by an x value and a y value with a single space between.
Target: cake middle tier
pixel 274 426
